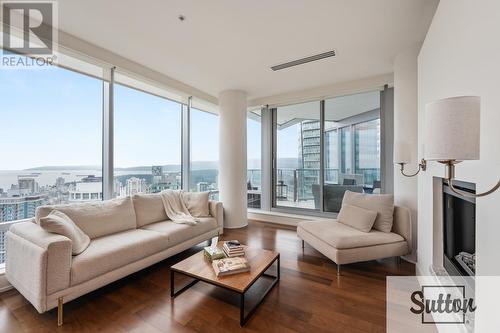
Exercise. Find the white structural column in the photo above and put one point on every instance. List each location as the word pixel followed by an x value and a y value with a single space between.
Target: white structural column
pixel 406 131
pixel 233 157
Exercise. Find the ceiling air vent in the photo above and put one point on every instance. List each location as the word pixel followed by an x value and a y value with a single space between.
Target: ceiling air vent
pixel 304 60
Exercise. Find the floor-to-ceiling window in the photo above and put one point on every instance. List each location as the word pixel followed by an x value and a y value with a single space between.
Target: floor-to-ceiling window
pixel 204 147
pixel 367 151
pixel 61 133
pixel 147 142
pixel 254 167
pixel 51 132
pixel 297 172
pixel 352 147
pixel 347 142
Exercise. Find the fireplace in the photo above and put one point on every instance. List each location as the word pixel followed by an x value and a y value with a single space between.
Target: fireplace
pixel 459 230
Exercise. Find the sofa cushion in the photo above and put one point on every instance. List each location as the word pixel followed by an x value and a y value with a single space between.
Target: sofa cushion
pixel 97 218
pixel 196 203
pixel 149 209
pixel 383 204
pixel 178 233
pixel 341 236
pixel 59 223
pixel 108 253
pixel 357 217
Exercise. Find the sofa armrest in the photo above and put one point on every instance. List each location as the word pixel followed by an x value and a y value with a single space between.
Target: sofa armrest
pixel 402 224
pixel 217 210
pixel 38 263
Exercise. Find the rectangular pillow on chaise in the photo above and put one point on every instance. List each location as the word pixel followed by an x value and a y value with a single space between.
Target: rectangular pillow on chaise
pixel 357 217
pixel 383 204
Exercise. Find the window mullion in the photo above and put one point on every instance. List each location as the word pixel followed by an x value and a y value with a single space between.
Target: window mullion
pixel 186 145
pixel 108 138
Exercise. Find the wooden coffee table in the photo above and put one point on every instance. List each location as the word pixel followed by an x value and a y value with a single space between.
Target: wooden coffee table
pixel 199 268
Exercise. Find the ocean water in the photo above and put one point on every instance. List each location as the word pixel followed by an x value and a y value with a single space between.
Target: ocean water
pixel 44 178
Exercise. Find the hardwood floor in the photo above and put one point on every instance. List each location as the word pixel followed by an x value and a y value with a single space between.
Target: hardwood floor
pixel 309 297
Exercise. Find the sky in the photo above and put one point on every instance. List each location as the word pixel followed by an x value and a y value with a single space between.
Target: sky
pixel 53 116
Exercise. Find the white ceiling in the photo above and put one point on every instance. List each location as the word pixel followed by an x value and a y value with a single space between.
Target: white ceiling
pixel 229 44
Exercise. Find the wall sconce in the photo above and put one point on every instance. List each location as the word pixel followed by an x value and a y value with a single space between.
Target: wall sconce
pixel 452 131
pixel 402 157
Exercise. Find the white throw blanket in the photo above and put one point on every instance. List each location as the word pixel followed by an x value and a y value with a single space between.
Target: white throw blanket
pixel 176 208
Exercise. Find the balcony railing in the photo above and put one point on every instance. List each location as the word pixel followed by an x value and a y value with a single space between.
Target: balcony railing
pixel 295 186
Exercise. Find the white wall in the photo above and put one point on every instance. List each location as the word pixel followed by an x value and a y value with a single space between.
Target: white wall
pixel 461 56
pixel 406 131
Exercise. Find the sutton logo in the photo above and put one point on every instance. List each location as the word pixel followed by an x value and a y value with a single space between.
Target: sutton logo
pixel 450 307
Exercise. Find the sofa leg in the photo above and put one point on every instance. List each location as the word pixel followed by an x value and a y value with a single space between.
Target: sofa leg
pixel 338 269
pixel 398 261
pixel 303 243
pixel 59 311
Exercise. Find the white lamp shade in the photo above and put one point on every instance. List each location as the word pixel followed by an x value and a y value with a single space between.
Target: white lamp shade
pixel 452 129
pixel 402 153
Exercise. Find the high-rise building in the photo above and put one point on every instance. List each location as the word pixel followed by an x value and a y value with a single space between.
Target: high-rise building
pixel 157 173
pixel 135 185
pixel 2 246
pixel 60 183
pixel 88 189
pixel 18 208
pixel 27 185
pixel 309 158
pixel 361 157
pixel 202 187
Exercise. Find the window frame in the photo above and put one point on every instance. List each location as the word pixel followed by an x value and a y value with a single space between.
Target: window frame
pixel 350 124
pixel 107 113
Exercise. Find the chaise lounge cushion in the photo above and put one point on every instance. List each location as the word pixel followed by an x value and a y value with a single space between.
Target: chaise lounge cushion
pixel 97 218
pixel 357 217
pixel 149 209
pixel 383 204
pixel 341 236
pixel 178 233
pixel 105 254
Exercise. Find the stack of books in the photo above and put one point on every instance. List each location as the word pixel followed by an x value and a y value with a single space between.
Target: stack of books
pixel 233 249
pixel 213 253
pixel 228 266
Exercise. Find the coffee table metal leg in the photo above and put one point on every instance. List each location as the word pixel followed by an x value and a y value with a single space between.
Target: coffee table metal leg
pixel 242 309
pixel 243 317
pixel 174 293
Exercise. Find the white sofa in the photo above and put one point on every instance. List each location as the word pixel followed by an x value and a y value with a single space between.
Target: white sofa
pixel 126 234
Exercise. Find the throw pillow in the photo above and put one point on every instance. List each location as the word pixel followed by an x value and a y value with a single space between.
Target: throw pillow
pixel 59 223
pixel 383 204
pixel 356 217
pixel 196 203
